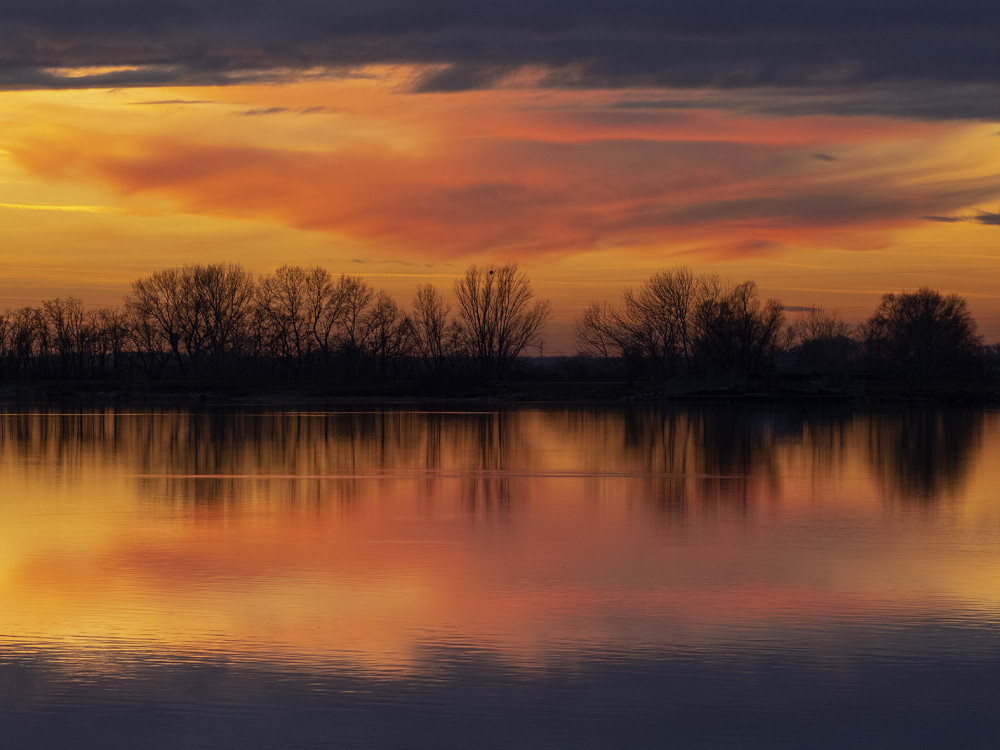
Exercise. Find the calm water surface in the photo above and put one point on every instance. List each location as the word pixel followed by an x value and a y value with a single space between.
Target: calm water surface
pixel 723 576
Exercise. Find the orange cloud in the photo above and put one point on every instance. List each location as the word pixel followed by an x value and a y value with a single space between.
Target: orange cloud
pixel 604 186
pixel 503 196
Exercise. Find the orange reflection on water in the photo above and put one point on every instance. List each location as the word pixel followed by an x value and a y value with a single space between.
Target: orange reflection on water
pixel 372 538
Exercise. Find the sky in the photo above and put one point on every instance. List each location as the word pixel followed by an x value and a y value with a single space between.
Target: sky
pixel 831 152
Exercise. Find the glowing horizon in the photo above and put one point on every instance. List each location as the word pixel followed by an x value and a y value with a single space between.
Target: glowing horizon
pixel 590 189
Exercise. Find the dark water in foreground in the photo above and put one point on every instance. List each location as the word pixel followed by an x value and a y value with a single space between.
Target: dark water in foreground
pixel 724 576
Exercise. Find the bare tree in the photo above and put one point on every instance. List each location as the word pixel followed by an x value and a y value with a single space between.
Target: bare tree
pixel 110 334
pixel 434 336
pixel 30 340
pixel 734 332
pixel 155 315
pixel 601 332
pixel 223 293
pixel 499 315
pixel 284 303
pixel 658 317
pixel 650 329
pixel 196 311
pixel 5 341
pixel 325 303
pixel 65 321
pixel 388 333
pixel 355 297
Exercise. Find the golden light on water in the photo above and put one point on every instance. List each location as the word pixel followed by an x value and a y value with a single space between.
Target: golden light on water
pixel 523 533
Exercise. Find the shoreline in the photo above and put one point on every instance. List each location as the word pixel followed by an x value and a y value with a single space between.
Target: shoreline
pixel 512 394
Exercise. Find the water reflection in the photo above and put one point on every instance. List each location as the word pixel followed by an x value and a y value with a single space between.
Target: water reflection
pixel 547 555
pixel 924 453
pixel 721 455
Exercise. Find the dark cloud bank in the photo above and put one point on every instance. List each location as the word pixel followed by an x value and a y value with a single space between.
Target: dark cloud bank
pixel 919 59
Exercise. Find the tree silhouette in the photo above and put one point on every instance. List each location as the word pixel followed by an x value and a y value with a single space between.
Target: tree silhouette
pixel 651 328
pixel 499 315
pixel 823 342
pixel 922 335
pixel 680 324
pixel 735 333
pixel 435 337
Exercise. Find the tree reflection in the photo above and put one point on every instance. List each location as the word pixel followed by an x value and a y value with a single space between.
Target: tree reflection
pixel 488 442
pixel 718 455
pixel 924 453
pixel 717 459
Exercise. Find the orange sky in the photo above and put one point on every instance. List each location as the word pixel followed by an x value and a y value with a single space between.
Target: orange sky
pixel 590 190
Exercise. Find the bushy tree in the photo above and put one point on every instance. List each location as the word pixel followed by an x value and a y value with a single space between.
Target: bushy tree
pixel 922 335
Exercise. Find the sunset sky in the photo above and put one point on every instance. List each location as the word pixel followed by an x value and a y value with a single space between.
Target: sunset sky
pixel 831 152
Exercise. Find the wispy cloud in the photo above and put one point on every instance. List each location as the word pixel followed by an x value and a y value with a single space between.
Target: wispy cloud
pixel 167 102
pixel 56 207
pixel 263 111
pixel 990 218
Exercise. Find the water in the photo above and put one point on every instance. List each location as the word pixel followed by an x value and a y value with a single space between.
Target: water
pixel 718 576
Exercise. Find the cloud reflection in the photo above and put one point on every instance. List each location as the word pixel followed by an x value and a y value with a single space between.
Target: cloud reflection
pixel 321 538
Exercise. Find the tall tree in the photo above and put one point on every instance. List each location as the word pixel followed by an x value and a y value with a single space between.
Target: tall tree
pixel 283 302
pixel 154 310
pixel 499 314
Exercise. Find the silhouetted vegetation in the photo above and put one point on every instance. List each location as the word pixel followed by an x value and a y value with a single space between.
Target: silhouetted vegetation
pixel 305 328
pixel 822 344
pixel 680 325
pixel 499 316
pixel 923 336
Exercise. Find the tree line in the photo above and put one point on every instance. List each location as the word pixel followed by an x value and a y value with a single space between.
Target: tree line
pixel 679 325
pixel 296 325
pixel 306 325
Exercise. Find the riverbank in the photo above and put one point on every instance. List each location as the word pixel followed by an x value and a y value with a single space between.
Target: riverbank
pixel 185 393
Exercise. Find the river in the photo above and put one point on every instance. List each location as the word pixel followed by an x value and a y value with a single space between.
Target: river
pixel 700 576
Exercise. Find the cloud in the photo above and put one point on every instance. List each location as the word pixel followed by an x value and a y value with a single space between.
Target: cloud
pixel 263 111
pixel 989 218
pixel 938 59
pixel 928 100
pixel 504 196
pixel 165 102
